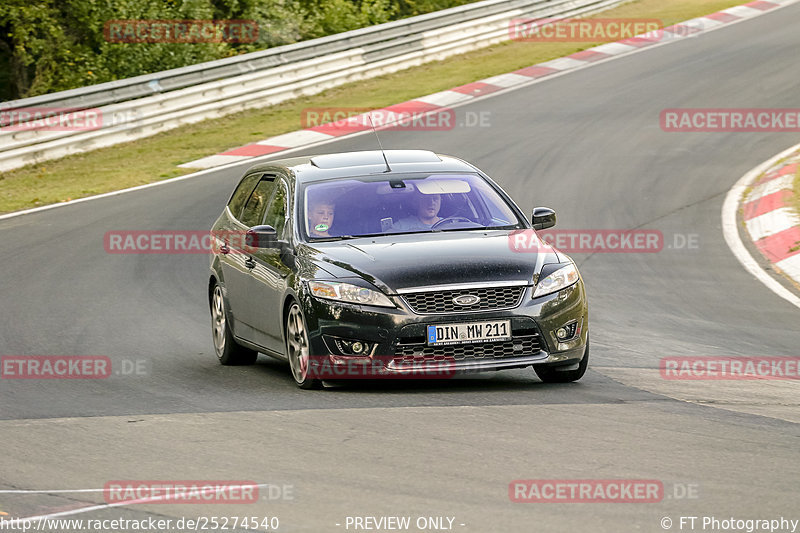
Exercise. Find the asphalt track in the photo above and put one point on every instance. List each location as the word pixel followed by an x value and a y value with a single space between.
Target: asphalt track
pixel 587 144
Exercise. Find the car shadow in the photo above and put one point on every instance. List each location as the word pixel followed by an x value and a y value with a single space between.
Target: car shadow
pixel 522 379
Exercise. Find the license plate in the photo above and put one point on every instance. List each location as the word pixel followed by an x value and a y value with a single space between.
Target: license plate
pixel 466 332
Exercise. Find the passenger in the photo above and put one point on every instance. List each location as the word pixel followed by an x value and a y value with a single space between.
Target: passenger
pixel 426 213
pixel 320 217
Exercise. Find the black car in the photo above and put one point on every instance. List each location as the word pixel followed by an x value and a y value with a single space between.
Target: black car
pixel 402 263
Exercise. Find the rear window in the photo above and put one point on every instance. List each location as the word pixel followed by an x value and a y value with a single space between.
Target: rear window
pixel 242 193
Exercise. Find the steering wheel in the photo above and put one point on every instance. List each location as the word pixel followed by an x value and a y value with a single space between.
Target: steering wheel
pixel 450 220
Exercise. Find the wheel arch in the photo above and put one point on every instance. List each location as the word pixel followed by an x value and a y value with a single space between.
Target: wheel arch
pixel 288 299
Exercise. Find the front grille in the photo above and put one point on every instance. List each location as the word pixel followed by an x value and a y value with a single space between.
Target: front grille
pixel 491 299
pixel 420 353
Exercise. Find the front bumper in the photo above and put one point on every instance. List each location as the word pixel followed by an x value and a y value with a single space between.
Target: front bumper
pixel 397 337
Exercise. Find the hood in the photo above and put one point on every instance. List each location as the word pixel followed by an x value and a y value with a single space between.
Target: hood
pixel 401 261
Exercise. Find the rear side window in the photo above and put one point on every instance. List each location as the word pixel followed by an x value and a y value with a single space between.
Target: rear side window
pixel 253 212
pixel 242 193
pixel 276 214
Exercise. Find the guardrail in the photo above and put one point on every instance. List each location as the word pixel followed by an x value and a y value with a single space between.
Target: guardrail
pixel 145 105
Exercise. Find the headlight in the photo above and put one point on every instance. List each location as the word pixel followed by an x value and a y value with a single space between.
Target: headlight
pixel 345 292
pixel 560 279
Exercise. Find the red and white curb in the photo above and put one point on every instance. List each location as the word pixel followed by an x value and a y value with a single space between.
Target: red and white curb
pixel 458 95
pixel 739 197
pixel 772 224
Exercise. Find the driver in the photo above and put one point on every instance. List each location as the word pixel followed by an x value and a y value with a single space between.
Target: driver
pixel 426 213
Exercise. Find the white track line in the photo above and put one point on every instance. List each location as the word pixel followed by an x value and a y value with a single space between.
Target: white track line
pixel 281 154
pixel 55 491
pixel 731 231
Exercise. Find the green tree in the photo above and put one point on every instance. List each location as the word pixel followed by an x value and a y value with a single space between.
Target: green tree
pixel 53 45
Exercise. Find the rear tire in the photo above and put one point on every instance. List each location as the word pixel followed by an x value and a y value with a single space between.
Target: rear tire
pixel 229 352
pixel 551 374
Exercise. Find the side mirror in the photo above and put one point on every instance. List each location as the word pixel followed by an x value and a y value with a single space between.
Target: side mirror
pixel 543 218
pixel 262 237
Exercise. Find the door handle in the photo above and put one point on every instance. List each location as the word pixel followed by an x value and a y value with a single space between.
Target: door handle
pixel 250 262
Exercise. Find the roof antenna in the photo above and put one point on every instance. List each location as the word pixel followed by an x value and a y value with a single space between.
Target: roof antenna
pixel 388 168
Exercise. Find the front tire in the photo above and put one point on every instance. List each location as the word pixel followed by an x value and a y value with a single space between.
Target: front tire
pixel 298 349
pixel 228 351
pixel 550 374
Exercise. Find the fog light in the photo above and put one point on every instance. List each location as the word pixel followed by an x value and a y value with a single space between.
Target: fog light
pixel 568 331
pixel 350 347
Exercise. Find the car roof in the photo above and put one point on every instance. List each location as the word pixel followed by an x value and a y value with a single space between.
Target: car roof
pixel 345 164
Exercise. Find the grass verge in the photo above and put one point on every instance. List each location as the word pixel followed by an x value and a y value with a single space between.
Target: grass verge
pixel 156 158
pixel 795 202
pixel 796 187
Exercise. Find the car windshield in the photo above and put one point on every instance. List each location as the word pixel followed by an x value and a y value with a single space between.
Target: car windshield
pixel 357 207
